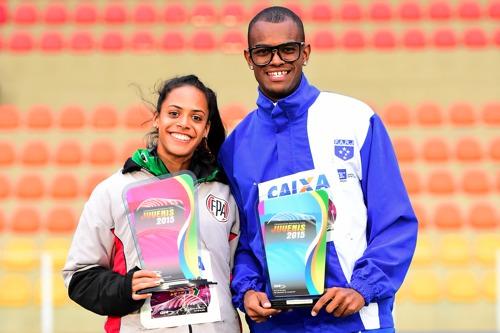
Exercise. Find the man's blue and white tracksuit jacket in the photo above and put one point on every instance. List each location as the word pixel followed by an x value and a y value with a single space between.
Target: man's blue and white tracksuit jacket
pixel 314 138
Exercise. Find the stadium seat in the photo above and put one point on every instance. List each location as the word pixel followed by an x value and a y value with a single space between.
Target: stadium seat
pixel 380 10
pixel 30 186
pixel 25 13
pixel 476 182
pixel 424 286
pixel 454 249
pixel 489 286
pixel 429 114
pixel 4 12
pixel 405 149
pixel 475 38
pixel 64 186
pixel 448 215
pixel 232 13
pixel 104 117
pixel 9 117
pixel 494 9
pixel 82 41
pixel 412 180
pixel 485 247
pixel 144 13
pixel 323 40
pixel 351 11
pixel 468 149
pixel 462 286
pixel 384 39
pixel 410 10
pixel 439 10
pixel 25 220
pixel 414 38
pixel 435 150
pixel 233 41
pixel 3 222
pixel 321 12
pixel 21 42
pixel 425 255
pixel 441 182
pixel 71 117
pixel 496 37
pixel 444 38
pixel 469 10
pixel 203 41
pixel 115 13
pixel 493 150
pixel 52 41
pixel 68 153
pixel 490 114
pixel 129 147
pixel 55 13
pixel 203 14
pixel 85 12
pixel 112 41
pixel 91 182
pixel 102 152
pixel 483 215
pixel 462 114
pixel 231 112
pixel 19 253
pixel 5 191
pixel 19 293
pixel 173 41
pixel 142 41
pixel 421 212
pixel 39 117
pixel 7 153
pixel 60 220
pixel 353 40
pixel 175 13
pixel 138 117
pixel 35 153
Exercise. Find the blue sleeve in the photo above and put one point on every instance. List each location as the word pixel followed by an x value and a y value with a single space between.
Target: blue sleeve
pixel 247 273
pixel 391 226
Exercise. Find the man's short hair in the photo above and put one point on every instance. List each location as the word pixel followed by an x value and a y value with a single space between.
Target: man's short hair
pixel 277 14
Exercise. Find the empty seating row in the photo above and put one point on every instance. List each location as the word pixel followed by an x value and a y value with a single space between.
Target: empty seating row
pixel 234 41
pixel 232 12
pixel 29 220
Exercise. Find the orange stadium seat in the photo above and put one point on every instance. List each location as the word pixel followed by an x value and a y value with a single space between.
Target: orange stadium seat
pixel 469 10
pixel 441 182
pixel 71 117
pixel 397 115
pixel 448 215
pixel 468 149
pixel 351 11
pixel 429 114
pixel 405 149
pixel 142 41
pixel 5 188
pixel 68 152
pixel 175 13
pixel 321 12
pixel 64 186
pixel 138 117
pixel 494 149
pixel 496 38
pixel 384 39
pixel 129 147
pixel 203 41
pixel 232 113
pixel 462 114
pixel 233 41
pixel 422 215
pixel 483 216
pixel 91 182
pixel 7 152
pixel 9 117
pixel 203 14
pixel 60 220
pixel 444 38
pixel 353 39
pixel 476 182
pixel 494 9
pixel 85 12
pixel 232 13
pixel 173 41
pixel 414 38
pixel 52 41
pixel 25 220
pixel 410 10
pixel 435 149
pixel 55 13
pixel 490 114
pixel 144 13
pixel 380 10
pixel 104 117
pixel 35 153
pixel 454 249
pixel 486 245
pixel 456 280
pixel 25 13
pixel 115 13
pixel 475 38
pixel 81 41
pixel 323 40
pixel 497 181
pixel 39 117
pixel 30 186
pixel 21 42
pixel 4 12
pixel 102 152
pixel 112 41
pixel 20 291
pixel 439 10
pixel 412 180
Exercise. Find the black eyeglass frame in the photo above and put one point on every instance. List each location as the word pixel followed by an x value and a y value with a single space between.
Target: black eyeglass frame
pixel 275 49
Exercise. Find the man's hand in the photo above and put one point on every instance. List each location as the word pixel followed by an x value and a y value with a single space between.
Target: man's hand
pixel 258 307
pixel 144 279
pixel 343 302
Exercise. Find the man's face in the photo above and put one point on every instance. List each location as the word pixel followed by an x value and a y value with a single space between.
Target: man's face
pixel 279 78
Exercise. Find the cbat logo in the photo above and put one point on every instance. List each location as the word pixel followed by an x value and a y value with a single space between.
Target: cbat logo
pixel 342 174
pixel 298 186
pixel 218 208
pixel 344 149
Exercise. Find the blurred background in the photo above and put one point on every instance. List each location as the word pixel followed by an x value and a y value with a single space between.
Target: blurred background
pixel 76 77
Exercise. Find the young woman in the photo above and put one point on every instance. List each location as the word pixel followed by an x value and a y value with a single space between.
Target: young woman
pixel 101 271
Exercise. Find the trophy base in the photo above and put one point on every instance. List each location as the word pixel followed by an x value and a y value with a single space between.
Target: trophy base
pixel 295 302
pixel 176 284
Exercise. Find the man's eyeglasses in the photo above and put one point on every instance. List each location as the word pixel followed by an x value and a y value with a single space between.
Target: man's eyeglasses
pixel 288 52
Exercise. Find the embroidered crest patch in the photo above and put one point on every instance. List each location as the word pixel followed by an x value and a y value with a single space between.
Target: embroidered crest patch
pixel 344 149
pixel 219 208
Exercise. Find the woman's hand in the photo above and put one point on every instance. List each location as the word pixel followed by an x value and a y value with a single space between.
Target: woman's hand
pixel 144 279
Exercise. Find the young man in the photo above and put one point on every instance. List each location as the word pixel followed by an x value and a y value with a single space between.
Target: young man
pixel 299 135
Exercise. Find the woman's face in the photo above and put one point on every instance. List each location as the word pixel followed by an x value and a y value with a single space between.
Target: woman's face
pixel 182 123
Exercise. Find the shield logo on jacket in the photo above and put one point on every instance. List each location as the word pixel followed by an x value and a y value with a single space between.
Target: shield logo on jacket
pixel 344 149
pixel 219 208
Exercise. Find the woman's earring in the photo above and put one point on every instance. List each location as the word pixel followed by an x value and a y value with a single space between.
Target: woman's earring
pixel 251 67
pixel 305 63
